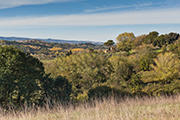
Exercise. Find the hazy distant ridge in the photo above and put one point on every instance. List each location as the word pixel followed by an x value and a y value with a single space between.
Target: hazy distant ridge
pixel 48 40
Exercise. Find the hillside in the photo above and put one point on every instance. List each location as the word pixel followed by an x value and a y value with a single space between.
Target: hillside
pixel 48 40
pixel 49 50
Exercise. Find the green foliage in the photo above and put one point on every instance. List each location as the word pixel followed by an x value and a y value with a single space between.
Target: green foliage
pixel 138 40
pixel 166 67
pixel 173 48
pixel 57 89
pixel 136 84
pixel 165 39
pixel 96 75
pixel 125 37
pixel 23 81
pixel 151 37
pixel 91 50
pixel 83 76
pixel 164 49
pixel 124 41
pixel 105 91
pixel 99 92
pixel 124 46
pixel 84 71
pixel 171 37
pixel 157 88
pixel 109 42
pixel 122 71
pixel 146 61
pixel 68 53
pixel 48 51
pixel 20 77
pixel 159 41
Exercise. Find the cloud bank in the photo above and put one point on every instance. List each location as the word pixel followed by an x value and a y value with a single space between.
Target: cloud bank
pixel 15 3
pixel 163 16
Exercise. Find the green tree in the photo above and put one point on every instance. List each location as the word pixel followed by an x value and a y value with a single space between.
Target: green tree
pixel 136 85
pixel 84 71
pixel 122 71
pixel 159 41
pixel 20 77
pixel 151 37
pixel 146 61
pixel 171 37
pixel 109 43
pixel 56 89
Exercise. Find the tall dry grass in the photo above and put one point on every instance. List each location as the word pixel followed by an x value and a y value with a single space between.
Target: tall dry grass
pixel 153 108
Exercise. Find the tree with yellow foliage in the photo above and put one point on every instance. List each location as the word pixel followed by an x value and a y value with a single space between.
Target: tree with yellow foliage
pixel 124 41
pixel 166 68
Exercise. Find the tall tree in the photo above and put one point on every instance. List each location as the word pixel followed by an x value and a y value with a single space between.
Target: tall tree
pixel 20 76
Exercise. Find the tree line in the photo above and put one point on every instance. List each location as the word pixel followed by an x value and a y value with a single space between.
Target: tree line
pixel 144 65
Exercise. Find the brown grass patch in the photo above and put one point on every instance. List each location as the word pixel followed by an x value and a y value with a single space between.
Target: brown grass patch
pixel 153 108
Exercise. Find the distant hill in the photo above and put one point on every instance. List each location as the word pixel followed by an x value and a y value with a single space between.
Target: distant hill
pixel 48 40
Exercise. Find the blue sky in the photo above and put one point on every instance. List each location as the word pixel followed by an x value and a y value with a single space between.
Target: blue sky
pixel 93 20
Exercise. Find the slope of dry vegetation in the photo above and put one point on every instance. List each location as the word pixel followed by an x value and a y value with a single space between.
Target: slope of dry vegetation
pixel 153 108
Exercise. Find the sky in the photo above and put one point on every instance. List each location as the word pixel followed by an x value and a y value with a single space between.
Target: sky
pixel 90 20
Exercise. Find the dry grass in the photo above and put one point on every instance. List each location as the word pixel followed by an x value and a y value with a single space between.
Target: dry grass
pixel 157 108
pixel 55 48
pixel 77 49
pixel 33 47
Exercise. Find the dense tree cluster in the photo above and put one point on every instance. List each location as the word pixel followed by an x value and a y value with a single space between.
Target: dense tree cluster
pixel 144 65
pixel 23 80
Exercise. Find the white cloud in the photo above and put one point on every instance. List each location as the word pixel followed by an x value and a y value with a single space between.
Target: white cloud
pixel 163 16
pixel 121 6
pixel 15 3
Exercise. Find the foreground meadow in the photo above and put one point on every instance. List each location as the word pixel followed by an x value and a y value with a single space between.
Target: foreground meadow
pixel 153 108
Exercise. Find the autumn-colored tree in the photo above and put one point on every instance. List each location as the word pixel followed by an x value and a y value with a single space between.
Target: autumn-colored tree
pixel 124 41
pixel 138 40
pixel 125 37
pixel 166 68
